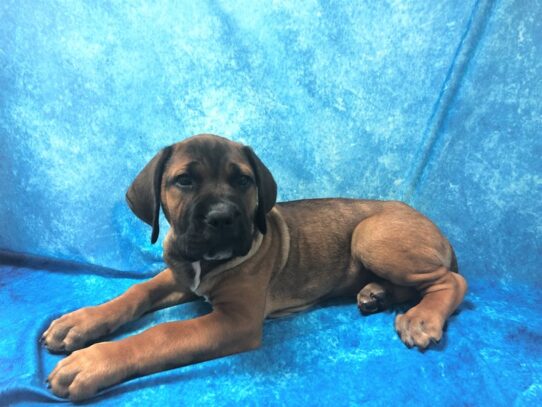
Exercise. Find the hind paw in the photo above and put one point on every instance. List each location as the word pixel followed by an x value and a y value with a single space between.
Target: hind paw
pixel 372 298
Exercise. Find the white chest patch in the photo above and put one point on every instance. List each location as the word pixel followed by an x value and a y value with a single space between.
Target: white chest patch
pixel 197 275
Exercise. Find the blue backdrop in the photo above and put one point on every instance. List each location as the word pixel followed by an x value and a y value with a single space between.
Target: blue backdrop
pixel 436 103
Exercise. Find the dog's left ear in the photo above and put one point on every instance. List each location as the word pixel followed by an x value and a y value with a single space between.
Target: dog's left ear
pixel 143 196
pixel 267 188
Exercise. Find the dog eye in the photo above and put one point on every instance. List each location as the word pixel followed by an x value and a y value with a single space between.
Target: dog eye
pixel 184 181
pixel 244 181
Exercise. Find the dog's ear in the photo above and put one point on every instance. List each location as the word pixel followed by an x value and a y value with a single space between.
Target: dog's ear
pixel 143 196
pixel 267 188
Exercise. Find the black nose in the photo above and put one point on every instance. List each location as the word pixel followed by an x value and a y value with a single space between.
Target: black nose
pixel 222 216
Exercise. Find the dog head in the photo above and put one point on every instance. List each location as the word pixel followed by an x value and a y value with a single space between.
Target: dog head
pixel 215 194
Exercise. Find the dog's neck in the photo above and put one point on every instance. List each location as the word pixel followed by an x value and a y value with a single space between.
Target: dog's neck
pixel 206 268
pixel 191 273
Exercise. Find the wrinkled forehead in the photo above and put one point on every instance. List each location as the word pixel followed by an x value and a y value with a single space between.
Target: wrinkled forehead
pixel 213 156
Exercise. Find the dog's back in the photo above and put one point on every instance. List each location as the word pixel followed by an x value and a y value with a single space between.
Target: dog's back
pixel 319 264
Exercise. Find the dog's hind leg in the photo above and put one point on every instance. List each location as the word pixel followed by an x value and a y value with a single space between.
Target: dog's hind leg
pixel 373 298
pixel 402 246
pixel 379 296
pixel 76 329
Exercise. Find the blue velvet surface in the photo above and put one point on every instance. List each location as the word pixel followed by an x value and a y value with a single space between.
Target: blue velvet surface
pixel 437 103
pixel 331 355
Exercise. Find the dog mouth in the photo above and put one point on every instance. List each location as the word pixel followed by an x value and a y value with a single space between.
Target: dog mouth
pixel 196 244
pixel 218 255
pixel 208 254
pixel 193 249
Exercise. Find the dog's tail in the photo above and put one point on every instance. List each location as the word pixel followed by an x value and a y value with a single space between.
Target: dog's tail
pixel 453 264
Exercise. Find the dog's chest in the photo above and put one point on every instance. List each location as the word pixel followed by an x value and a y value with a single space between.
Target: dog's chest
pixel 196 280
pixel 200 279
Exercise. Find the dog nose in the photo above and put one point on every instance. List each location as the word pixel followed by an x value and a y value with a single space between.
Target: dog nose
pixel 222 216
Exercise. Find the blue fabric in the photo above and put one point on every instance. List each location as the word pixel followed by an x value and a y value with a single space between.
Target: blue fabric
pixel 491 353
pixel 437 103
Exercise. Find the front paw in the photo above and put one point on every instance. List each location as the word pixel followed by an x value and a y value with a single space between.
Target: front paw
pixel 82 374
pixel 74 330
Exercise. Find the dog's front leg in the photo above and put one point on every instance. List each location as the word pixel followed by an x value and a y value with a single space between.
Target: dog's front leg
pixel 74 330
pixel 165 346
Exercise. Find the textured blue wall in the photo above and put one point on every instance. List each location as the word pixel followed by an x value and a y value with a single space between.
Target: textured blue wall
pixel 434 102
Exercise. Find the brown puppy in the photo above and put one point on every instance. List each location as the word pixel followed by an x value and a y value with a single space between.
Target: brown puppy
pixel 251 259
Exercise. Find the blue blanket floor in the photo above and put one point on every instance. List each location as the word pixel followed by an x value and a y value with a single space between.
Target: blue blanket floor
pixel 491 353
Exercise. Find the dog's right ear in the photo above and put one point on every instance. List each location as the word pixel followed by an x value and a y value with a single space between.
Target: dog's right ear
pixel 143 196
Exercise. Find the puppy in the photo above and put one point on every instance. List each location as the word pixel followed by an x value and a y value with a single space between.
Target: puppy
pixel 252 258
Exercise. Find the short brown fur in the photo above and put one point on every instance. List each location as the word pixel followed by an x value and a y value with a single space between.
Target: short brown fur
pixel 296 254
